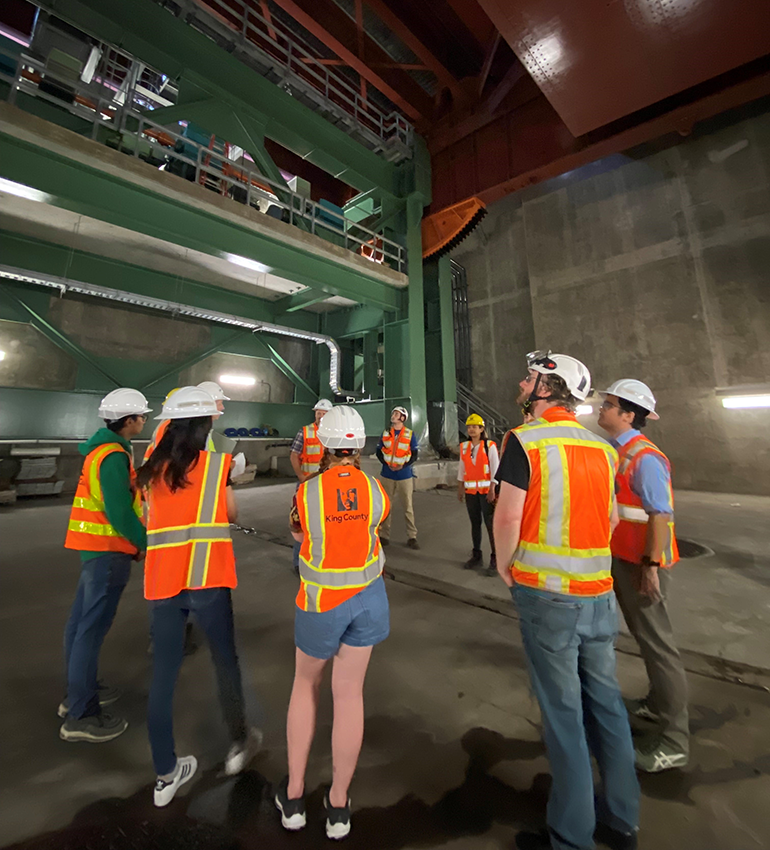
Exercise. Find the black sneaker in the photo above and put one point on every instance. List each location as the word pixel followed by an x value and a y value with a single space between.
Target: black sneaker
pixel 614 839
pixel 412 543
pixel 96 729
pixel 293 814
pixel 107 696
pixel 474 561
pixel 491 570
pixel 337 820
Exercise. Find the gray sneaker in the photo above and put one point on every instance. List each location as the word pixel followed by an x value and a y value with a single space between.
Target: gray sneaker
pixel 658 755
pixel 96 729
pixel 107 696
pixel 641 708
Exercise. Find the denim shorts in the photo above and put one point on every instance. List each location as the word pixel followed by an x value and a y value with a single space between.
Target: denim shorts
pixel 362 620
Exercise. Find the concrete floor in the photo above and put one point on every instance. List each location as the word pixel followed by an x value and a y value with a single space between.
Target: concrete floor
pixel 452 755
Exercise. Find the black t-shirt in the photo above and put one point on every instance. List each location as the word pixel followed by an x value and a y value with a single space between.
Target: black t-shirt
pixel 514 464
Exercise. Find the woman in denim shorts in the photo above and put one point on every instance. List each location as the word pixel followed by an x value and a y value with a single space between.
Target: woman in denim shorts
pixel 341 612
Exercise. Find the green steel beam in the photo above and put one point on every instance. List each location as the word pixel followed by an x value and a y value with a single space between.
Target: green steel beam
pixel 144 29
pixel 284 366
pixel 83 189
pixel 195 358
pixel 48 258
pixel 416 335
pixel 292 303
pixel 352 321
pixel 371 383
pixel 56 336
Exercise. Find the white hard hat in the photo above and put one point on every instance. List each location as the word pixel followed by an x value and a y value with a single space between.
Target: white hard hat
pixel 574 373
pixel 342 428
pixel 214 390
pixel 122 402
pixel 634 391
pixel 402 410
pixel 188 402
pixel 323 404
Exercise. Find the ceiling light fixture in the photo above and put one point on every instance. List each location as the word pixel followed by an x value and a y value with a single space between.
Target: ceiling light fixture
pixel 739 402
pixel 237 380
pixel 2 355
pixel 22 191
pixel 246 263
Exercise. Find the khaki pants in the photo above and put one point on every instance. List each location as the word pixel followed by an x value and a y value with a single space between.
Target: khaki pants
pixel 652 629
pixel 404 490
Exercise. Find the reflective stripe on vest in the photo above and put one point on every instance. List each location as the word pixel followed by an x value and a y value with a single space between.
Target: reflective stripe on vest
pixel 310 458
pixel 629 541
pixel 89 529
pixel 331 539
pixel 559 507
pixel 397 452
pixel 181 556
pixel 476 472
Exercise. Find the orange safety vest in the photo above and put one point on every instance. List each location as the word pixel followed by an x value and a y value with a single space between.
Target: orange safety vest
pixel 89 530
pixel 157 436
pixel 564 546
pixel 630 537
pixel 476 472
pixel 397 451
pixel 310 458
pixel 188 532
pixel 340 511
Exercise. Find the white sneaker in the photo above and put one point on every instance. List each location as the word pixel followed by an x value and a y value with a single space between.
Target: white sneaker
pixel 241 754
pixel 165 789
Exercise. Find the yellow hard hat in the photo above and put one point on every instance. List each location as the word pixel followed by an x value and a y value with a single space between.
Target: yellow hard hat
pixel 474 419
pixel 170 393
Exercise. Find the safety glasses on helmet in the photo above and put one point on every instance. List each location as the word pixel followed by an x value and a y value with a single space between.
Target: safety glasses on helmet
pixel 541 358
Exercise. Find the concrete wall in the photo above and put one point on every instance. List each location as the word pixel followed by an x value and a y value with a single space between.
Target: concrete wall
pixel 654 265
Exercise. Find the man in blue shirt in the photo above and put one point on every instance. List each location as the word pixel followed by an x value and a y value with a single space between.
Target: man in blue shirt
pixel 644 550
pixel 397 452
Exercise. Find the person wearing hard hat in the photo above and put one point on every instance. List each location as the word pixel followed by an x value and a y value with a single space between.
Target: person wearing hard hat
pixel 397 452
pixel 476 487
pixel 106 527
pixel 190 569
pixel 215 391
pixel 643 551
pixel 552 526
pixel 341 612
pixel 306 453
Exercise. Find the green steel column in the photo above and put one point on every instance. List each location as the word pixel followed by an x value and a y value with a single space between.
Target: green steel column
pixel 448 369
pixel 416 337
pixel 371 385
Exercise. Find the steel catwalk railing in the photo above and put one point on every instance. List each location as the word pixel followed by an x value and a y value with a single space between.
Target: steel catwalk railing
pixel 161 140
pixel 468 402
pixel 251 29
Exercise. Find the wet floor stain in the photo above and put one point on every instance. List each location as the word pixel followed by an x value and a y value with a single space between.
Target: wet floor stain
pixel 239 814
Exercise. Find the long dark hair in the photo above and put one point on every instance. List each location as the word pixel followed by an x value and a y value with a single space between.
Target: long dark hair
pixel 176 454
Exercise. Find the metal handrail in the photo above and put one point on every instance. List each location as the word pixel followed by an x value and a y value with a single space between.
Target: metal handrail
pixel 468 402
pixel 271 39
pixel 128 122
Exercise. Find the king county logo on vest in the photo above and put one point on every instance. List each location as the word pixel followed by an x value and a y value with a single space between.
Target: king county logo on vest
pixel 347 500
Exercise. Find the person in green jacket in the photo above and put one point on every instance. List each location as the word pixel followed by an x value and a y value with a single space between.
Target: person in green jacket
pixel 106 527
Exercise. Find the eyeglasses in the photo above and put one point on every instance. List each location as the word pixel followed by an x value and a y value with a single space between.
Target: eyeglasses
pixel 608 405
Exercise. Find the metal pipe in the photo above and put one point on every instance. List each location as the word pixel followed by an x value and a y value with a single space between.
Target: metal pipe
pixel 65 285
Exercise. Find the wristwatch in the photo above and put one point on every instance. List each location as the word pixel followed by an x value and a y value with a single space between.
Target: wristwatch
pixel 648 562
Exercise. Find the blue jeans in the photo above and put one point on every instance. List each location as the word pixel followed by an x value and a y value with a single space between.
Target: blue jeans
pixel 213 609
pixel 570 648
pixel 101 584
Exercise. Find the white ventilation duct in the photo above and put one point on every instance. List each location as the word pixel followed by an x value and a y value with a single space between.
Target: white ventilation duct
pixel 177 309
